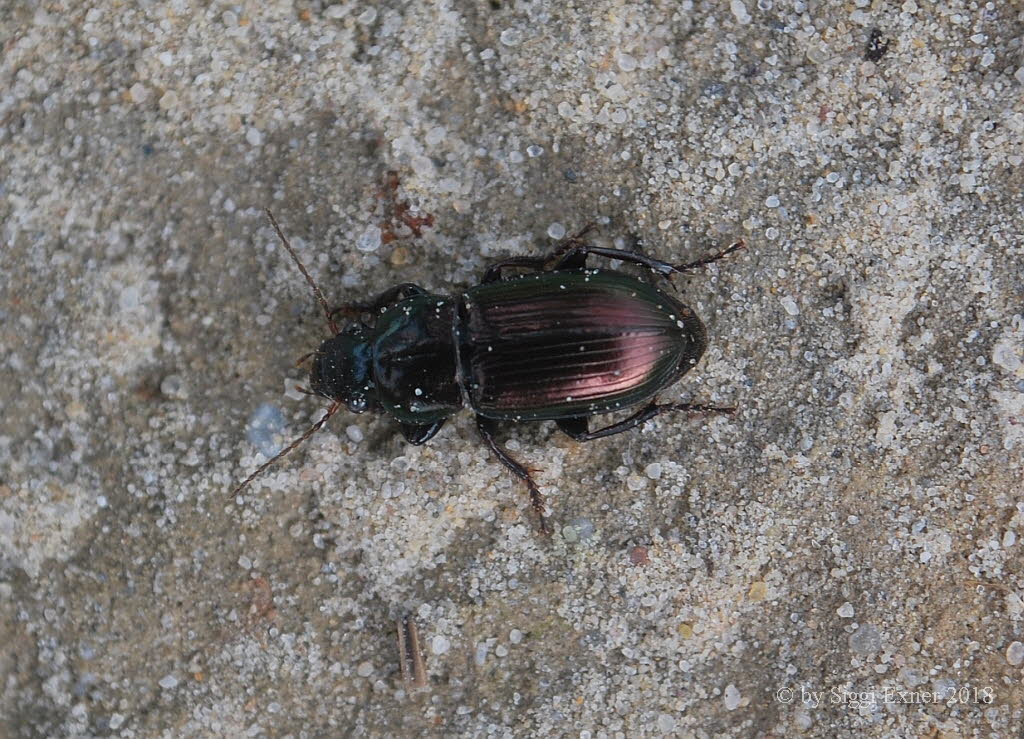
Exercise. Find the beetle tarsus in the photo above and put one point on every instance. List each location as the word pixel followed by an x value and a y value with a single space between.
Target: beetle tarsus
pixel 486 426
pixel 709 259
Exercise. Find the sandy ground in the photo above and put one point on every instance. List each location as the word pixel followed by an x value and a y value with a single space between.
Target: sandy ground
pixel 842 557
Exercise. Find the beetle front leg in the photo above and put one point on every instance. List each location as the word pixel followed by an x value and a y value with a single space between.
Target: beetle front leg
pixel 578 428
pixel 378 304
pixel 486 426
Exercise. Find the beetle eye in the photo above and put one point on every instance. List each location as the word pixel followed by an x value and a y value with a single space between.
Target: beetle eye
pixel 357 405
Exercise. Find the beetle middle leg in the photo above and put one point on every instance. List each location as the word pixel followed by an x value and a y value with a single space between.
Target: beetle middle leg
pixel 486 426
pixel 493 273
pixel 578 428
pixel 378 304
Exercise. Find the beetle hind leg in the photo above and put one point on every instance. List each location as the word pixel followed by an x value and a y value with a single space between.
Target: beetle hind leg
pixel 486 426
pixel 578 428
pixel 709 259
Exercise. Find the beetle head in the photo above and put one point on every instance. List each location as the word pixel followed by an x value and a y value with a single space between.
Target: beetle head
pixel 341 369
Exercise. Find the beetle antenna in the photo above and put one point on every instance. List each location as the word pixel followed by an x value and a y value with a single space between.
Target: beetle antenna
pixel 305 273
pixel 312 430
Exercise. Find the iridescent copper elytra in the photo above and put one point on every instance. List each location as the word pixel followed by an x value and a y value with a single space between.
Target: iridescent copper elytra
pixel 559 343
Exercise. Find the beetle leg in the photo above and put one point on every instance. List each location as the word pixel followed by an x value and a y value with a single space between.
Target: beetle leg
pixel 417 433
pixel 572 258
pixel 572 252
pixel 578 428
pixel 708 260
pixel 486 426
pixel 378 304
pixel 493 273
pixel 571 243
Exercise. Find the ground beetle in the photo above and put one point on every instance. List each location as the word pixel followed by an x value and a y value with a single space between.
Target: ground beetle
pixel 560 343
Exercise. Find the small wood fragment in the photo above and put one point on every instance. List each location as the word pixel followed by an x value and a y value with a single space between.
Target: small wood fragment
pixel 410 654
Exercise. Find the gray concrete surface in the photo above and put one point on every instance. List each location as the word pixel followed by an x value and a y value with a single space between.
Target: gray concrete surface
pixel 842 557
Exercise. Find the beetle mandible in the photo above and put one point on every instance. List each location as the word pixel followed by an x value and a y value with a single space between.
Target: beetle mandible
pixel 559 343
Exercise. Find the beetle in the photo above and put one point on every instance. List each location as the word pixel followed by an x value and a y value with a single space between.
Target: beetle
pixel 561 342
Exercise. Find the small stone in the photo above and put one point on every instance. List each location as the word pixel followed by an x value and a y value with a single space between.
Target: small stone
pixel 739 10
pixel 578 529
pixel 370 239
pixel 138 92
pixel 556 231
pixel 732 697
pixel 772 201
pixel 440 644
pixel 354 433
pixel 865 640
pixel 639 556
pixel 365 669
pixel 666 723
pixel 626 63
pixel 291 390
pixel 845 610
pixel 685 630
pixel 399 256
pixel 1015 653
pixel 245 563
pixel 789 305
pixel 758 591
pixel 265 425
pixel 173 386
pixel 653 470
pixel 1005 355
pixel 168 682
pixel 509 37
pixel 168 100
pixel 253 136
pixel 534 151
